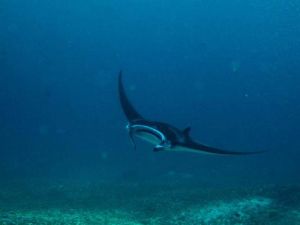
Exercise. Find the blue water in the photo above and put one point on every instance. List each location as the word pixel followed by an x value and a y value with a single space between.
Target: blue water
pixel 228 69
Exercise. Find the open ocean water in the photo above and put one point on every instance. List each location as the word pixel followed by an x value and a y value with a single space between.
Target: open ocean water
pixel 227 69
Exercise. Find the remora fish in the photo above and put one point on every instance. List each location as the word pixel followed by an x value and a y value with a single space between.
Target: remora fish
pixel 164 136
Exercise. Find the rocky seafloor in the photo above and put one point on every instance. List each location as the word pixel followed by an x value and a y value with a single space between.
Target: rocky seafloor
pixel 138 204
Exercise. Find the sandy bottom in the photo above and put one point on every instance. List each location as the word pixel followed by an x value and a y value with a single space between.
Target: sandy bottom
pixel 137 204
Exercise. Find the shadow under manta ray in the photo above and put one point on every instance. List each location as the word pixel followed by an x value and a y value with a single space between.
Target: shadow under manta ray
pixel 164 136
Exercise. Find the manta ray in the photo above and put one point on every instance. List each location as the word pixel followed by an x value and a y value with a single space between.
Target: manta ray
pixel 164 136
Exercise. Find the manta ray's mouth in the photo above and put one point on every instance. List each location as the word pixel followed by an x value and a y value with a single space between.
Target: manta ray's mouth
pixel 138 129
pixel 149 134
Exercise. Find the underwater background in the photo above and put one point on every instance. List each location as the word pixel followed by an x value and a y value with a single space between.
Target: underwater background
pixel 228 69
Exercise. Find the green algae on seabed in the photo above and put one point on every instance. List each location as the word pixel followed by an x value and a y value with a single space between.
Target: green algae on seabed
pixel 235 212
pixel 149 205
pixel 66 217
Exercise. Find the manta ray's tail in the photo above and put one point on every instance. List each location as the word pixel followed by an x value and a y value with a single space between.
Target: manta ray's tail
pixel 129 110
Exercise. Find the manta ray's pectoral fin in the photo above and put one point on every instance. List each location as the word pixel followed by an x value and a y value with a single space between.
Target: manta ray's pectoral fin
pixel 197 147
pixel 128 109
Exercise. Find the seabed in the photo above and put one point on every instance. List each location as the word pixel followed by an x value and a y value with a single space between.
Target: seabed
pixel 147 204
